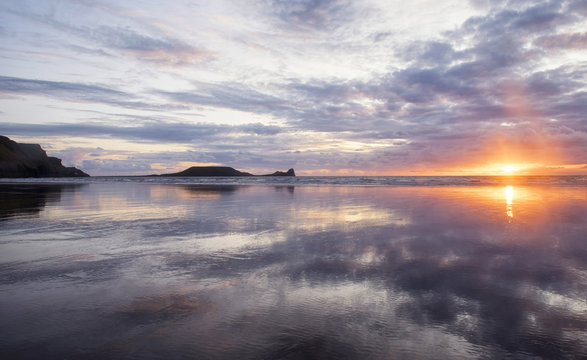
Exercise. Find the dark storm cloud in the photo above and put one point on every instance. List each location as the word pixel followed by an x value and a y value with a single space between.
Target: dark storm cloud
pixel 78 92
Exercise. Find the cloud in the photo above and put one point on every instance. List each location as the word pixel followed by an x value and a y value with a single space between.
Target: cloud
pixel 579 6
pixel 415 101
pixel 116 166
pixel 445 103
pixel 139 38
pixel 529 18
pixel 306 15
pixel 563 41
pixel 164 132
pixel 542 17
pixel 230 96
pixel 78 92
pixel 59 88
pixel 164 49
pixel 430 53
pixel 464 278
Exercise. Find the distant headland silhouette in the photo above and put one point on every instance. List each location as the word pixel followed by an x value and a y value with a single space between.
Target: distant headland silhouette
pixel 19 160
pixel 197 171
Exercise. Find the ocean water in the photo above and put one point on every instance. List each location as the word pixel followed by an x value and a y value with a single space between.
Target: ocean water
pixel 294 268
pixel 578 180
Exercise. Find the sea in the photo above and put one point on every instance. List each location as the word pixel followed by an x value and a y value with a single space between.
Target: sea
pixel 435 267
pixel 569 180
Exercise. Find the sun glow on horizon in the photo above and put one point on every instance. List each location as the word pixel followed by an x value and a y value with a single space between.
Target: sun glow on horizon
pixel 509 169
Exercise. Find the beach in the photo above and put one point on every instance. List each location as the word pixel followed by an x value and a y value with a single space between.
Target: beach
pixel 308 270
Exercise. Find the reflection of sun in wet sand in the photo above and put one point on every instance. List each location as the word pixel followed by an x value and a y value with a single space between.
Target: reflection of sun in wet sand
pixel 509 201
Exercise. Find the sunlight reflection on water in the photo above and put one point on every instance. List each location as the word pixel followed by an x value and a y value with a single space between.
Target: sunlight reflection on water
pixel 135 270
pixel 509 200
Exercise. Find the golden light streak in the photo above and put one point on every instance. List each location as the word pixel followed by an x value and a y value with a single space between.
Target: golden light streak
pixel 509 201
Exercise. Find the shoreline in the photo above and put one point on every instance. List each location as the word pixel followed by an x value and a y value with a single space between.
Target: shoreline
pixel 383 181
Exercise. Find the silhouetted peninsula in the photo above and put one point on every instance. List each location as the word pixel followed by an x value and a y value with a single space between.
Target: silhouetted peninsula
pixel 30 160
pixel 196 171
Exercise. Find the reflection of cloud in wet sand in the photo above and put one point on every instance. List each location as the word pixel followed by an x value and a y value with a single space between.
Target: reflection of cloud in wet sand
pixel 448 267
pixel 330 272
pixel 346 216
pixel 165 305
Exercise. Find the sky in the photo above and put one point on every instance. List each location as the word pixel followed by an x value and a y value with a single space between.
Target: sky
pixel 478 87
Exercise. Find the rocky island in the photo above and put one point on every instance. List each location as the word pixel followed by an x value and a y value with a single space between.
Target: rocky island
pixel 30 160
pixel 197 171
pixel 209 171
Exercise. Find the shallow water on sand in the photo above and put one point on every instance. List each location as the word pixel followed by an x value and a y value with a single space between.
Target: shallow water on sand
pixel 144 271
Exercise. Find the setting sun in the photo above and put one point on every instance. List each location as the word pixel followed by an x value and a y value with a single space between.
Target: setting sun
pixel 509 169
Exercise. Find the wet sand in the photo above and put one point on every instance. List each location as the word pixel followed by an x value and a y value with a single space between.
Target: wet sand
pixel 158 271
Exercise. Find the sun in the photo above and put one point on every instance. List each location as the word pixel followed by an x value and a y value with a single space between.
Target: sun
pixel 509 169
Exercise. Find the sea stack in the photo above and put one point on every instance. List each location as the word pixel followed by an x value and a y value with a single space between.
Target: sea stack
pixel 289 172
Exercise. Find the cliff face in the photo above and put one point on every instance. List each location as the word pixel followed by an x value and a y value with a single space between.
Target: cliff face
pixel 30 160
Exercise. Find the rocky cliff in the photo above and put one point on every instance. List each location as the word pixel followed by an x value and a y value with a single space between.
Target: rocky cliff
pixel 289 172
pixel 30 160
